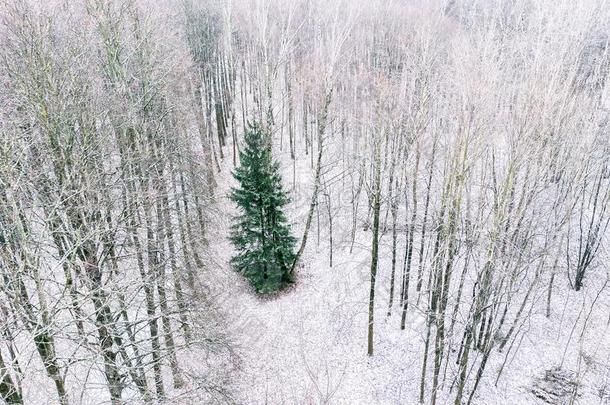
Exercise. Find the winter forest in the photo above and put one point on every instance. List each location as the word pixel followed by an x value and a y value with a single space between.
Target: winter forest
pixel 305 202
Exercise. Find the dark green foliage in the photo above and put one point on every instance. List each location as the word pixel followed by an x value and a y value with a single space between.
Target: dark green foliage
pixel 261 233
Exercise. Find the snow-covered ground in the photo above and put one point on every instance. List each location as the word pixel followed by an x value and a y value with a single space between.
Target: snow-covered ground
pixel 308 344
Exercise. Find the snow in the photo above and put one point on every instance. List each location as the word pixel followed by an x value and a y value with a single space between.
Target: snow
pixel 307 345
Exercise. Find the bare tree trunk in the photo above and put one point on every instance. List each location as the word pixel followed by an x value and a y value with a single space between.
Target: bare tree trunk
pixel 168 335
pixel 431 311
pixel 425 220
pixel 394 210
pixel 409 246
pixel 327 194
pixel 288 78
pixel 548 295
pixel 374 248
pixel 177 284
pixel 355 204
pixel 103 321
pixel 150 281
pixel 9 392
pixel 314 196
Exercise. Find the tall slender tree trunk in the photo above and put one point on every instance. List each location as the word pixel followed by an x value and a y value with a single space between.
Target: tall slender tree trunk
pixel 409 247
pixel 150 281
pixel 374 249
pixel 314 196
pixel 9 391
pixel 177 284
pixel 168 335
pixel 425 218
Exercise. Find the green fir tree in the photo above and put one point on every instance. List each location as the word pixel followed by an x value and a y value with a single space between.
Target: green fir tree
pixel 261 233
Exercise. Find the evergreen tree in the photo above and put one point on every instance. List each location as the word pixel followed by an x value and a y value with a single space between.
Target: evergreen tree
pixel 261 233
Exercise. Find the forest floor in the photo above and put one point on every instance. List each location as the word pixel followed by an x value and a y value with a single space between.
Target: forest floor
pixel 307 345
